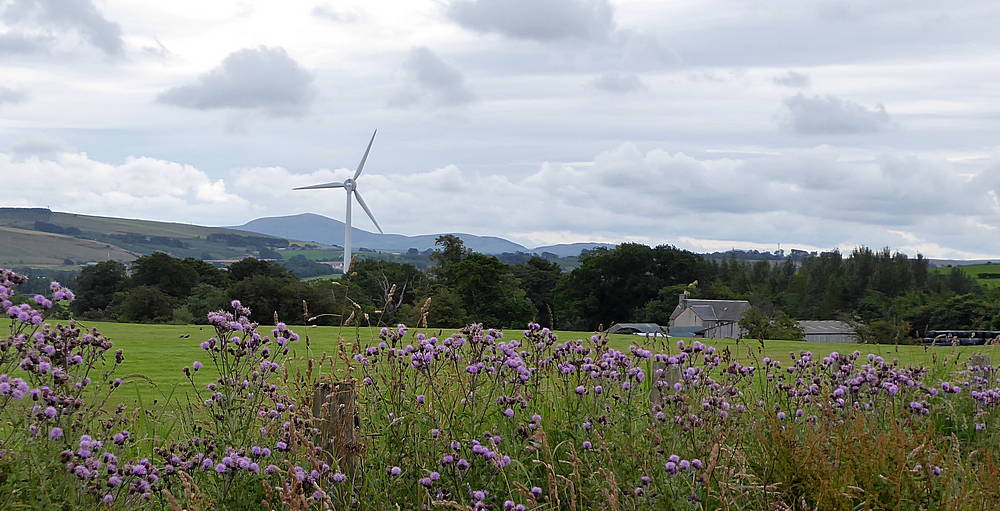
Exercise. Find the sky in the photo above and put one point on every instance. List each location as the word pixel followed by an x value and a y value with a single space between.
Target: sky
pixel 705 124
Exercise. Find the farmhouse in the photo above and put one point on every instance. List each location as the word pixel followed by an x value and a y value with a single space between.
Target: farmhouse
pixel 716 318
pixel 829 331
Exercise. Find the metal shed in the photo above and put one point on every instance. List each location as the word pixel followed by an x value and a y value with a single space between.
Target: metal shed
pixel 638 328
pixel 829 331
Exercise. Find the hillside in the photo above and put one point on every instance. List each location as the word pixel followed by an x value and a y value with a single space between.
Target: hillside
pixel 39 237
pixel 21 247
pixel 986 275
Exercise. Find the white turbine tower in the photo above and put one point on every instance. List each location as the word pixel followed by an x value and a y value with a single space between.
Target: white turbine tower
pixel 351 185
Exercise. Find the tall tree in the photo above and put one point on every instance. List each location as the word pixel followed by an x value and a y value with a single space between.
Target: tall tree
pixel 96 286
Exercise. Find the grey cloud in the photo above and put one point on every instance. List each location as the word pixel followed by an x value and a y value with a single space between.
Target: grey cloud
pixel 330 13
pixel 540 20
pixel 17 43
pixel 81 16
pixel 793 79
pixel 38 147
pixel 265 79
pixel 833 116
pixel 434 80
pixel 8 95
pixel 618 83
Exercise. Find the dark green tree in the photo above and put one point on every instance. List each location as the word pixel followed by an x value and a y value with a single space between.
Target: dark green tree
pixel 168 274
pixel 250 267
pixel 96 286
pixel 539 278
pixel 146 303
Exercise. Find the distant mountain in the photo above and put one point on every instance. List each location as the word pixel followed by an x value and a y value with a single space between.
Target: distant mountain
pixel 321 229
pixel 570 249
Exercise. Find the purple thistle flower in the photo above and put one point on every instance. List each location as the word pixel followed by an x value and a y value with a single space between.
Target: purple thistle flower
pixel 196 365
pixel 55 433
pixel 395 471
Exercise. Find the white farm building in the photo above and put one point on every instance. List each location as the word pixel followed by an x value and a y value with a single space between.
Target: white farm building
pixel 715 318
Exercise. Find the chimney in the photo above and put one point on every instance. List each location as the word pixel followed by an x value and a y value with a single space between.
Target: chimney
pixel 681 299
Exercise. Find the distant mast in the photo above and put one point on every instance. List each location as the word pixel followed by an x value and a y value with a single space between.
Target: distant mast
pixel 351 186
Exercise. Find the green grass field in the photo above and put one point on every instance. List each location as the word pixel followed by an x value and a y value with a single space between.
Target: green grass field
pixel 973 270
pixel 155 355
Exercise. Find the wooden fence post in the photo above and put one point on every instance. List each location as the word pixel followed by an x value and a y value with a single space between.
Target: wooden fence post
pixel 336 410
pixel 670 374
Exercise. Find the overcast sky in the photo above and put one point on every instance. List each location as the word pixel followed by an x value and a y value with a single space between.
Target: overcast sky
pixel 706 124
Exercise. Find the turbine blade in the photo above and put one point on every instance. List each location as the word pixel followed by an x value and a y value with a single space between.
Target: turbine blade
pixel 335 184
pixel 365 157
pixel 365 207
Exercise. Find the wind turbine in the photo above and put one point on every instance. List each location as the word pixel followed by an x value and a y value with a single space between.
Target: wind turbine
pixel 351 186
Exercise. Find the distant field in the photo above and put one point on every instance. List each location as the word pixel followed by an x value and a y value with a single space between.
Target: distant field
pixel 22 247
pixel 314 255
pixel 155 355
pixel 974 270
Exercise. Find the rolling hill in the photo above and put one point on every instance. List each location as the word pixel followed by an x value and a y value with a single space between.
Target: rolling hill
pixel 38 237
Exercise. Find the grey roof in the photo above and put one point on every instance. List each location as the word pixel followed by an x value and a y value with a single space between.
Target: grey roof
pixel 826 327
pixel 714 310
pixel 646 328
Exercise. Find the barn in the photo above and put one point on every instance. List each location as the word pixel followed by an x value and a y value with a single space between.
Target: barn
pixel 829 331
pixel 718 318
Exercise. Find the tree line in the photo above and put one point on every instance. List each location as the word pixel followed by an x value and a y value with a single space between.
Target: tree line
pixel 893 295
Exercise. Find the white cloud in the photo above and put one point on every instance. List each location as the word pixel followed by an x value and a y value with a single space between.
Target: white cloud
pixel 652 196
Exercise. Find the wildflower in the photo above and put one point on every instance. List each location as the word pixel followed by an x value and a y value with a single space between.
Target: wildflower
pixel 55 433
pixel 338 477
pixel 587 445
pixel 580 389
pixel 196 365
pixel 395 471
pixel 426 482
pixel 509 413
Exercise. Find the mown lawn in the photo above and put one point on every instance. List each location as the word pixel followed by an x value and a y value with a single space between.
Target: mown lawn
pixel 155 355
